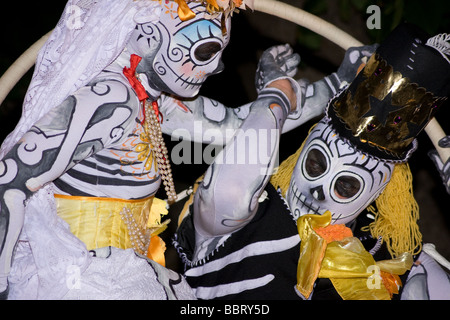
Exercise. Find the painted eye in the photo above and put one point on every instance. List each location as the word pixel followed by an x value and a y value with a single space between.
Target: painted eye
pixel 207 50
pixel 316 163
pixel 346 187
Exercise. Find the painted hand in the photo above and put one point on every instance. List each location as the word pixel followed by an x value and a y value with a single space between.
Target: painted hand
pixel 354 61
pixel 443 168
pixel 278 62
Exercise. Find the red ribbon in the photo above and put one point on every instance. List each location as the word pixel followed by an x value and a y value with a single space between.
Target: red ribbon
pixel 130 74
pixel 156 109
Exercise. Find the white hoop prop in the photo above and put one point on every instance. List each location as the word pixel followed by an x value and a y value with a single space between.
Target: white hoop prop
pixel 21 66
pixel 282 10
pixel 307 20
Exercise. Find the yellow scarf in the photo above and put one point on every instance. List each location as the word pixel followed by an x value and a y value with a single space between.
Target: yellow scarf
pixel 330 251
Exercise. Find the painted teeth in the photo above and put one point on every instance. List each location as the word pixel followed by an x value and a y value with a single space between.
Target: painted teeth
pixel 315 195
pixel 302 199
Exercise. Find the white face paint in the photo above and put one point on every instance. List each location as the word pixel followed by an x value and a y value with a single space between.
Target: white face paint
pixel 331 175
pixel 178 55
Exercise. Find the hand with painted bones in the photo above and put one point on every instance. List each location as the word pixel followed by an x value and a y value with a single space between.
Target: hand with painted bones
pixel 443 168
pixel 354 60
pixel 314 96
pixel 278 62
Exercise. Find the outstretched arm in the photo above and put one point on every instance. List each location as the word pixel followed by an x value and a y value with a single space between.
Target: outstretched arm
pixel 183 118
pixel 205 120
pixel 201 120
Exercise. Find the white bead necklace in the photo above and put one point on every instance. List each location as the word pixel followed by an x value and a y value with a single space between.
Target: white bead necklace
pixel 152 128
pixel 139 240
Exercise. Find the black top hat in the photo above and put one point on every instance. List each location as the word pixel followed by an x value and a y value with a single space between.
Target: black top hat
pixel 396 94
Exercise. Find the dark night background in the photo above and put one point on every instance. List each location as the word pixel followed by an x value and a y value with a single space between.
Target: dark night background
pixel 252 32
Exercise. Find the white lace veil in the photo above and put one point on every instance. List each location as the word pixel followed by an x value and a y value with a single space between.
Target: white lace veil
pixel 87 38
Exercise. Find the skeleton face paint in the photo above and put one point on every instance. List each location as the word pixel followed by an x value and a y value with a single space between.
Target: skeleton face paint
pixel 178 55
pixel 331 175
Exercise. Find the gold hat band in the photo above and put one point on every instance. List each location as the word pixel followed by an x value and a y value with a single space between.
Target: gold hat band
pixel 383 108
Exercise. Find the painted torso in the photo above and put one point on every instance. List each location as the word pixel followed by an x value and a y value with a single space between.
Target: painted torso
pixel 125 168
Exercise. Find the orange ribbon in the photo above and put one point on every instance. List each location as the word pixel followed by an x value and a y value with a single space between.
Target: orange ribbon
pixel 156 250
pixel 184 12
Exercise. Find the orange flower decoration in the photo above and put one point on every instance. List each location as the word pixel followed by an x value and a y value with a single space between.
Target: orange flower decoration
pixel 237 3
pixel 334 232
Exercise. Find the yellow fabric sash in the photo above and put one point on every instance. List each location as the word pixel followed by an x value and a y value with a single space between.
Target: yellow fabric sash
pixel 352 270
pixel 121 223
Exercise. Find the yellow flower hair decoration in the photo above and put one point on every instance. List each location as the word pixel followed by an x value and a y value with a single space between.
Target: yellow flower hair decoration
pixel 213 7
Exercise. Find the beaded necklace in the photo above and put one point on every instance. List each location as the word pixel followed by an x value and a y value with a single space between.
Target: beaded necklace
pixel 152 126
